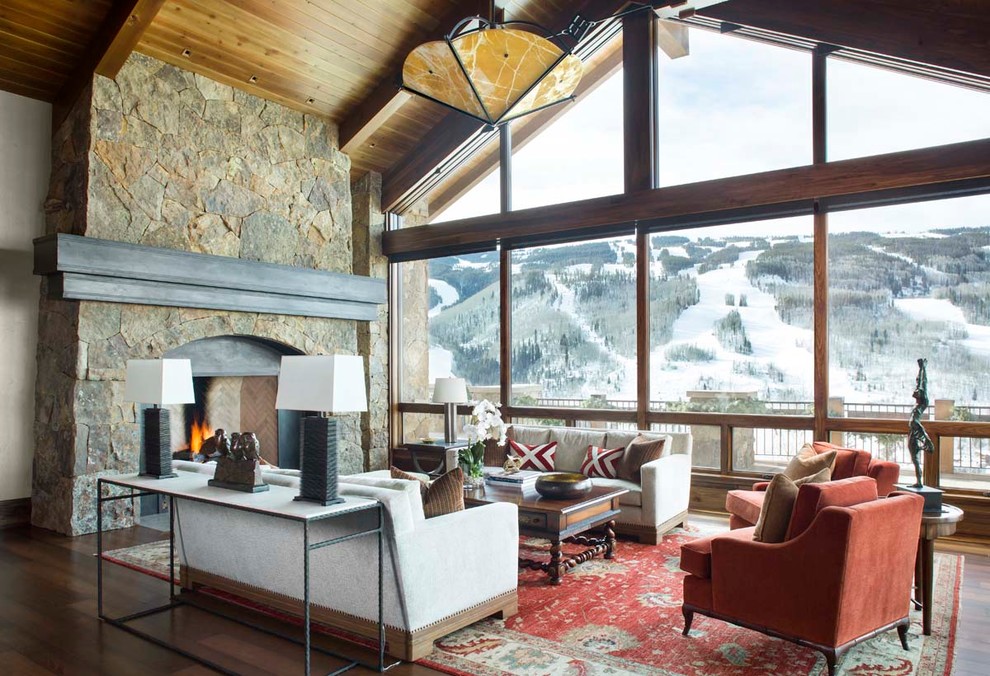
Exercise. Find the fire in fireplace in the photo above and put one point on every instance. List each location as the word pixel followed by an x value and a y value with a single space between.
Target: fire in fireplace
pixel 235 381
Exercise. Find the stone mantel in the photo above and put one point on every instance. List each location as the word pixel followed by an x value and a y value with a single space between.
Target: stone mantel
pixel 88 268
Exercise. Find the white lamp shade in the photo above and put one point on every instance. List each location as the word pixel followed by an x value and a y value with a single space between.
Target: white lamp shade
pixel 159 381
pixel 450 391
pixel 331 383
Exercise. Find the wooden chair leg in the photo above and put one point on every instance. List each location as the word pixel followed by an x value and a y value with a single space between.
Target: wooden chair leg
pixel 830 659
pixel 688 618
pixel 902 633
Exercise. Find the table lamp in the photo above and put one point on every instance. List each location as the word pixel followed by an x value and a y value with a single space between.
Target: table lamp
pixel 160 382
pixel 450 392
pixel 328 384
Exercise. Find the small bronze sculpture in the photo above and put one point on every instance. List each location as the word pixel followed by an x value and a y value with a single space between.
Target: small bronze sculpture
pixel 215 446
pixel 918 439
pixel 238 462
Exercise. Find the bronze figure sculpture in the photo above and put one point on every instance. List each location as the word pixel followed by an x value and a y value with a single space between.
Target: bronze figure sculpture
pixel 918 439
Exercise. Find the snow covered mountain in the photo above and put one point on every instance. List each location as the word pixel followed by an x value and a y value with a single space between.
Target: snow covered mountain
pixel 726 314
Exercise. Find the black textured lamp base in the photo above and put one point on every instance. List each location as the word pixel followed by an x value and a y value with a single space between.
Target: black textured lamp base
pixel 932 496
pixel 318 478
pixel 157 444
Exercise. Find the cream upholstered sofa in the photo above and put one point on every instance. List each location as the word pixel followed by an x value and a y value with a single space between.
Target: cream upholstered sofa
pixel 440 574
pixel 650 508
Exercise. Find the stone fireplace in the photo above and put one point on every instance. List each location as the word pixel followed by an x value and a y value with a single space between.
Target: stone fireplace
pixel 164 158
pixel 235 380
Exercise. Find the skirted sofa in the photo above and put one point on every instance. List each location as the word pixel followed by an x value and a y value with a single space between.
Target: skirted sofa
pixel 744 506
pixel 440 574
pixel 652 507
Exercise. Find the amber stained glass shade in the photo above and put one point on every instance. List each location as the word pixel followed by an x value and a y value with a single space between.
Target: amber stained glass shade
pixel 502 64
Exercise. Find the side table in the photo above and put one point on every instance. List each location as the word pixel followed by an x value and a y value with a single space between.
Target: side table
pixel 277 503
pixel 434 460
pixel 933 526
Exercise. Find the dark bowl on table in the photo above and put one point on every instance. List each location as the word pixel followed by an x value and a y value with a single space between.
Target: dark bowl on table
pixel 563 485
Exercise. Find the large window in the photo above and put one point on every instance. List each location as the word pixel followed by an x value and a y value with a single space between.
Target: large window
pixel 905 283
pixel 449 328
pixel 574 325
pixel 732 308
pixel 576 157
pixel 875 110
pixel 731 329
pixel 731 107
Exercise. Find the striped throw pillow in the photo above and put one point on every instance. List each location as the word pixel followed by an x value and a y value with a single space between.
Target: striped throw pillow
pixel 539 457
pixel 444 496
pixel 602 462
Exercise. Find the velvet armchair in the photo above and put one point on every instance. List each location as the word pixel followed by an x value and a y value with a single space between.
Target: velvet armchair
pixel 843 575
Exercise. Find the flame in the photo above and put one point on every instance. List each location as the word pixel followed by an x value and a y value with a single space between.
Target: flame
pixel 198 434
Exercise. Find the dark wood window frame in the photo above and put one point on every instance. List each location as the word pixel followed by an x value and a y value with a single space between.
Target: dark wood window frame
pixel 948 171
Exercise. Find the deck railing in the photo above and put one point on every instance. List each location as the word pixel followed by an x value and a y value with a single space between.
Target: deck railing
pixel 770 445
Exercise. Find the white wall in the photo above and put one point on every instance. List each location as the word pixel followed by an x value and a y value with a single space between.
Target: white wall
pixel 25 157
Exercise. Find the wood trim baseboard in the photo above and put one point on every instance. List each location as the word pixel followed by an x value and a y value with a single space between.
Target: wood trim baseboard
pixel 15 512
pixel 400 643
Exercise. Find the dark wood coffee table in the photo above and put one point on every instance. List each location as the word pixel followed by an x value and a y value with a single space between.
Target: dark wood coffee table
pixel 559 521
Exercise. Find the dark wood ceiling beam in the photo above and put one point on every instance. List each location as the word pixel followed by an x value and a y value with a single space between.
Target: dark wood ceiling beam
pixel 385 99
pixel 953 35
pixel 119 33
pixel 454 131
pixel 602 215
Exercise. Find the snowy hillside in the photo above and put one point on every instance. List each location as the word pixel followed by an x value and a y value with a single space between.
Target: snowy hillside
pixel 726 314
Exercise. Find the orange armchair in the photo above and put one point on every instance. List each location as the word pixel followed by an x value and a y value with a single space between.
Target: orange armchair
pixel 744 506
pixel 842 580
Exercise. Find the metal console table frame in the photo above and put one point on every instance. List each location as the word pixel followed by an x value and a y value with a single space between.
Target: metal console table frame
pixel 302 513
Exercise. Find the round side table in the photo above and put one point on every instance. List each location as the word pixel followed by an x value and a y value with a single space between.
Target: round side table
pixel 933 526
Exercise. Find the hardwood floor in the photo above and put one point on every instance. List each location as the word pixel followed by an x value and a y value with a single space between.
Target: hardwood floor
pixel 48 619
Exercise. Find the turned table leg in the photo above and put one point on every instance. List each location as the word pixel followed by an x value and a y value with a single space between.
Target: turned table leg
pixel 555 568
pixel 610 539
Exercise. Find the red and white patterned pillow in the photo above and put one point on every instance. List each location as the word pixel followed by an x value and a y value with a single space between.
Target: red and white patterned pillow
pixel 602 462
pixel 538 457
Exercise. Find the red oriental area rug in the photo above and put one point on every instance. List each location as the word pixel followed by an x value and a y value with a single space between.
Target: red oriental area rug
pixel 624 617
pixel 611 618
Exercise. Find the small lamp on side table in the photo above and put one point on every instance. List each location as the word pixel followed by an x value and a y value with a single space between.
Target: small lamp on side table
pixel 450 392
pixel 329 384
pixel 160 382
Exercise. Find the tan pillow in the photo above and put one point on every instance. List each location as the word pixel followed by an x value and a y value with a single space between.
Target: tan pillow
pixel 778 504
pixel 808 462
pixel 444 496
pixel 640 451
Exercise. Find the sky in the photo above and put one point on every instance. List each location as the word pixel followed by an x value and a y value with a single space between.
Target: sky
pixel 733 107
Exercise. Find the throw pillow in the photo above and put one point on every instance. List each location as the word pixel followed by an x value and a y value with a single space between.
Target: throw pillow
pixel 539 457
pixel 778 504
pixel 807 462
pixel 640 451
pixel 397 473
pixel 444 496
pixel 602 462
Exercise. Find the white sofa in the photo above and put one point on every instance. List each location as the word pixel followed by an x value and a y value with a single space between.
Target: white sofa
pixel 440 574
pixel 650 508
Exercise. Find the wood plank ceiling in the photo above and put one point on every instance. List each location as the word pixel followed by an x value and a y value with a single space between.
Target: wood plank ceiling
pixel 41 43
pixel 342 58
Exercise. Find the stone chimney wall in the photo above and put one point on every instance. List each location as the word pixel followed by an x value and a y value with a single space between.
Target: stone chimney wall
pixel 163 157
